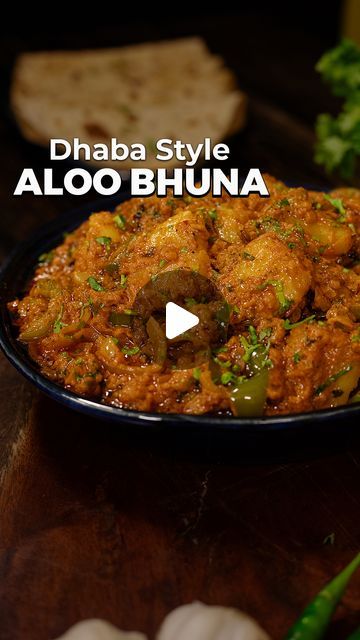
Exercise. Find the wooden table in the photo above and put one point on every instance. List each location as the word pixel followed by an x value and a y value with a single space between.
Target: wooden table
pixel 101 521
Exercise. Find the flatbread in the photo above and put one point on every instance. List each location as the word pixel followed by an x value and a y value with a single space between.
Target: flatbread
pixel 171 89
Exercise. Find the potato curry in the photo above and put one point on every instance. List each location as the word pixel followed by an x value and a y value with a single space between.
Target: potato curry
pixel 287 266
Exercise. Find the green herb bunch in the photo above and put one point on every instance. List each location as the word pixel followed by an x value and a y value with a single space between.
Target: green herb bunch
pixel 338 138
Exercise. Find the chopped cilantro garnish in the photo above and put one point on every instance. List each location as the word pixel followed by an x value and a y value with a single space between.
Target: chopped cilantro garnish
pixel 288 325
pixel 123 279
pixel 284 302
pixel 283 203
pixel 253 335
pixel 130 351
pixel 228 377
pixel 337 203
pixel 120 221
pixel 190 302
pixel 256 344
pixel 94 284
pixel 213 214
pixel 329 381
pixel 162 263
pixel 225 364
pixel 221 350
pixel 297 357
pixel 197 374
pixel 58 325
pixel 248 348
pixel 299 228
pixel 265 333
pixel 104 240
pixel 271 224
pixel 184 250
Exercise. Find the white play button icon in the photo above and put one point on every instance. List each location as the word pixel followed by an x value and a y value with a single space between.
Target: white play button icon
pixel 178 320
pixel 162 322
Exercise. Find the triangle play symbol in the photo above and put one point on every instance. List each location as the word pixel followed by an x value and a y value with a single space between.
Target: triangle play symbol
pixel 178 320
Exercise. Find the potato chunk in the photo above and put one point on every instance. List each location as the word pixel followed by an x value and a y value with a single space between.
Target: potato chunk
pixel 335 239
pixel 230 223
pixel 268 277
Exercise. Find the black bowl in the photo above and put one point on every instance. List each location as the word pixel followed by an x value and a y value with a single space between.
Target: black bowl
pixel 14 277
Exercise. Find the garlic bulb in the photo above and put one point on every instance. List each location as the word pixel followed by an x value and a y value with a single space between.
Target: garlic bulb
pixel 99 630
pixel 198 621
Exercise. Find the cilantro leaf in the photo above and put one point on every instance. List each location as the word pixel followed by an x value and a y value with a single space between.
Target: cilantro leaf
pixel 284 302
pixel 337 203
pixel 130 351
pixel 283 203
pixel 58 325
pixel 228 377
pixel 94 284
pixel 104 240
pixel 123 279
pixel 120 221
pixel 288 325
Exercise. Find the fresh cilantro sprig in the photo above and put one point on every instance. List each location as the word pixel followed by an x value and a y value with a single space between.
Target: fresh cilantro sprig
pixel 291 325
pixel 338 138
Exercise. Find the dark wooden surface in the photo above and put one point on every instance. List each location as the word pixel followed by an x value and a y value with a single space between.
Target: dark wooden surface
pixel 100 521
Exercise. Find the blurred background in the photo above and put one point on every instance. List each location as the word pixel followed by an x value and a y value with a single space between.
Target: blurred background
pixel 272 49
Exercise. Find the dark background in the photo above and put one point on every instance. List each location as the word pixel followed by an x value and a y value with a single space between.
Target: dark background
pixel 96 520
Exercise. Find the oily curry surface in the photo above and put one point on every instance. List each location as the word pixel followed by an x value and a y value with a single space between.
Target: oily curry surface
pixel 287 266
